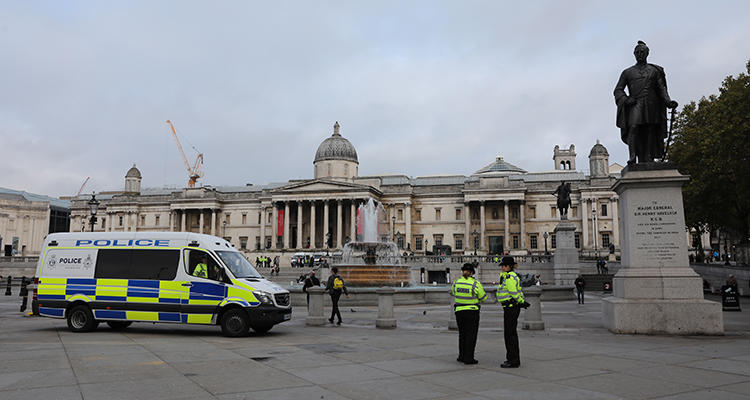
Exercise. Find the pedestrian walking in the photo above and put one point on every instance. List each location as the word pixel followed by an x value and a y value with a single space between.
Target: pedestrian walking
pixel 310 281
pixel 275 265
pixel 334 287
pixel 510 296
pixel 580 285
pixel 468 292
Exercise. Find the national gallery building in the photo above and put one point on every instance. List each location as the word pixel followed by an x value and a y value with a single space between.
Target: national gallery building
pixel 499 208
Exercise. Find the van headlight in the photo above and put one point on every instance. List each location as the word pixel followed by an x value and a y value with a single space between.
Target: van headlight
pixel 263 297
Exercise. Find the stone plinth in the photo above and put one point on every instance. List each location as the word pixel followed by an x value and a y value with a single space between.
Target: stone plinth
pixel 385 318
pixel 532 317
pixel 315 310
pixel 655 291
pixel 566 267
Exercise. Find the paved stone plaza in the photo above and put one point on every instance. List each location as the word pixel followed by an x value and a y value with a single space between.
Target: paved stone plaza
pixel 575 358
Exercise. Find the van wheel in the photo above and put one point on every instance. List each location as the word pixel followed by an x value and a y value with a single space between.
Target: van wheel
pixel 235 323
pixel 261 328
pixel 81 319
pixel 119 325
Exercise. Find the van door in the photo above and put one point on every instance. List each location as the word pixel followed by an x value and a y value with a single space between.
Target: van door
pixel 204 289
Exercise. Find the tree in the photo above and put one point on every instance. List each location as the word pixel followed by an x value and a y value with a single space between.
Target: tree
pixel 712 145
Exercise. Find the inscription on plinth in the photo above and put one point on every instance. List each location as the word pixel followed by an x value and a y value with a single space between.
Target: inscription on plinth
pixel 658 233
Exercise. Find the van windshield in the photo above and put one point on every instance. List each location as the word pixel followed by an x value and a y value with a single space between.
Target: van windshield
pixel 240 267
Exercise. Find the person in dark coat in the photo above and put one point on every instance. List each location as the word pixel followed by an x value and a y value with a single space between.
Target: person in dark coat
pixel 334 287
pixel 580 285
pixel 310 281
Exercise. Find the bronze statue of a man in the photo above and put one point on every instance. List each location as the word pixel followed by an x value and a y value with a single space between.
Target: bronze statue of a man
pixel 642 111
pixel 563 199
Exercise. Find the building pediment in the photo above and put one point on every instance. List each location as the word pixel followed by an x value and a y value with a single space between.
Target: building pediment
pixel 325 186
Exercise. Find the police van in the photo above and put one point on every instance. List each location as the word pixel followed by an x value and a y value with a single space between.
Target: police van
pixel 177 277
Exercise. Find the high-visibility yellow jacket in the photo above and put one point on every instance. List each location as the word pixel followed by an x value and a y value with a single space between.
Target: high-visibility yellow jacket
pixel 509 292
pixel 201 270
pixel 468 292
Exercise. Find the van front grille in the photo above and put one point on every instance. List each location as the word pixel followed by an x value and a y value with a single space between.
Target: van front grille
pixel 282 299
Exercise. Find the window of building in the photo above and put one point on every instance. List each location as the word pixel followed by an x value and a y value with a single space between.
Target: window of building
pixel 228 220
pixel 418 239
pixel 458 214
pixel 553 240
pixel 573 212
pixel 143 220
pixel 260 215
pixel 437 214
pixel 459 240
pixel 552 211
pixel 270 218
pixel 418 214
pixel 534 241
pixel 604 210
pixel 257 242
pixel 243 242
pixel 495 213
pixel 400 214
pixel 438 239
pixel 104 223
pixel 346 169
pixel 268 242
pixel 532 212
pixel 578 241
pixel 329 170
pixel 605 240
pixel 120 217
pixel 400 241
pixel 514 214
pixel 157 218
pixel 515 241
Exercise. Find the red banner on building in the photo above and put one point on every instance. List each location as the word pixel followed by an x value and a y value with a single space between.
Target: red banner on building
pixel 359 221
pixel 280 224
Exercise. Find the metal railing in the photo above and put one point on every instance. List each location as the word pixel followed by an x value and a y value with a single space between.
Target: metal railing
pixel 19 259
pixel 453 259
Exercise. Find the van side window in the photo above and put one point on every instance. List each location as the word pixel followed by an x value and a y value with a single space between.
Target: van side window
pixel 203 265
pixel 137 264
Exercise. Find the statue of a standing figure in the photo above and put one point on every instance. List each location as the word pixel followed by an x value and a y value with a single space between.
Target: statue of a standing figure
pixel 563 199
pixel 642 111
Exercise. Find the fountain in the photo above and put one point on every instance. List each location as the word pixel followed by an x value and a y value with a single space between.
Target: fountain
pixel 372 262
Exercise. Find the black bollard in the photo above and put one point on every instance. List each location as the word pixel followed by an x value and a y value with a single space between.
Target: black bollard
pixel 7 288
pixel 24 292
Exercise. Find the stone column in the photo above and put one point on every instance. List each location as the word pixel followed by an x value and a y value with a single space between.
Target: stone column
pixel 213 222
pixel 171 221
pixel 584 223
pixel 352 223
pixel 467 226
pixel 481 224
pixel 339 224
pixel 262 227
pixel 407 222
pixel 127 221
pixel 274 225
pixel 313 206
pixel 522 215
pixel 325 224
pixel 286 224
pixel 299 225
pixel 109 222
pixel 532 317
pixel 392 224
pixel 200 221
pixel 184 217
pixel 385 308
pixel 506 220
pixel 315 309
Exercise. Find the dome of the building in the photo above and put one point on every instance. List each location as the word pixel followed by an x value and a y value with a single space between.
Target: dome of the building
pixel 500 166
pixel 598 150
pixel 133 173
pixel 336 147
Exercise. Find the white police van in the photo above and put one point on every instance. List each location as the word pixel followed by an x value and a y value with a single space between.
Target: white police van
pixel 177 277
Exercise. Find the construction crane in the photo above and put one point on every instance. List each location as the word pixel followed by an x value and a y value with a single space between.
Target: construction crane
pixel 195 171
pixel 82 186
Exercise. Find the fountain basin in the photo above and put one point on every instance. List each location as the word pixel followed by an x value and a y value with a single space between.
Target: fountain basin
pixel 374 275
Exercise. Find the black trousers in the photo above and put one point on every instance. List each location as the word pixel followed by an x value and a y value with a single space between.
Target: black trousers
pixel 335 309
pixel 579 292
pixel 510 323
pixel 468 326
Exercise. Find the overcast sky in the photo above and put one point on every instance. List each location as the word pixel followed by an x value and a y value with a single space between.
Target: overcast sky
pixel 419 88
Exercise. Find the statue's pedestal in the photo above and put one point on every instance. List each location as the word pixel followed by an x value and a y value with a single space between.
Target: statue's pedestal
pixel 655 291
pixel 566 266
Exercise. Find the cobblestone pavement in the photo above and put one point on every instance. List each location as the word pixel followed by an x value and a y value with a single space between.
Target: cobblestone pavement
pixel 574 358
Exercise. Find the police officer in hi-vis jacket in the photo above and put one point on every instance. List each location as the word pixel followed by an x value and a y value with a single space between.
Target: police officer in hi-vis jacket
pixel 468 292
pixel 510 296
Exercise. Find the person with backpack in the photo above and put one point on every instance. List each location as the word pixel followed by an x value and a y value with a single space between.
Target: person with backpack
pixel 334 287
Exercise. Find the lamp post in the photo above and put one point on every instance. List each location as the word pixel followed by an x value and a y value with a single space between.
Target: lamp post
pixel 546 235
pixel 93 208
pixel 726 250
pixel 476 240
pixel 425 247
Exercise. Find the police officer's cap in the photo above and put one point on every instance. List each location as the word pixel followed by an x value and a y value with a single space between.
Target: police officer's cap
pixel 468 267
pixel 508 260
